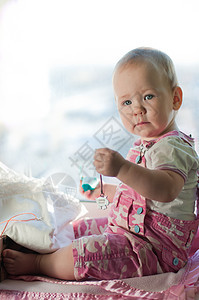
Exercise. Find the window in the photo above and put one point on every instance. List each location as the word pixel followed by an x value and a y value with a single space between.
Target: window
pixel 56 63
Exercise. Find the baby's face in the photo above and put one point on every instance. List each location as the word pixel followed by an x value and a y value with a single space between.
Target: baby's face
pixel 144 100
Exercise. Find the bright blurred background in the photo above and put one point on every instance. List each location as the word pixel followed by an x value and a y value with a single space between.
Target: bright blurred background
pixel 56 63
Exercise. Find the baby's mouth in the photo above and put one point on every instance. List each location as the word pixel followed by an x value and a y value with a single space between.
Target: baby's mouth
pixel 141 123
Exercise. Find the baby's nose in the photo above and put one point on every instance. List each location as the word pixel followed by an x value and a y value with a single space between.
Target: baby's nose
pixel 138 108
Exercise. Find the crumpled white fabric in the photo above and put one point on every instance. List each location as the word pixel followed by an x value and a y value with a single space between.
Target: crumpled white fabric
pixel 54 210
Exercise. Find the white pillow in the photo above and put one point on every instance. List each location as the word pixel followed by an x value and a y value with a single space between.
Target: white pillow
pixel 54 212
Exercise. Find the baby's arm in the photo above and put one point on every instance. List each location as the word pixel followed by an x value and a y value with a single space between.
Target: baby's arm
pixel 159 185
pixel 108 189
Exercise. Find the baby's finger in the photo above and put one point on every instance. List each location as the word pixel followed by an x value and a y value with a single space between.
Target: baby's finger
pixel 98 157
pixel 100 154
pixel 102 151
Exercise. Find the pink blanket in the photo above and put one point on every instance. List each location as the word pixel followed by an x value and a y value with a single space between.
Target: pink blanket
pixel 182 285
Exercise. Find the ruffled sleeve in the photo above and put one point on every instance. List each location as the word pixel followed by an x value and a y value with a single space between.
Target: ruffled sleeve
pixel 173 153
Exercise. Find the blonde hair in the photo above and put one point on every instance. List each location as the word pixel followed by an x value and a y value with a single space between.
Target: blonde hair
pixel 156 57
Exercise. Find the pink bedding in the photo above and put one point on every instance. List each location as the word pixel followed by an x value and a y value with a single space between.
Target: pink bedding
pixel 182 285
pixel 171 286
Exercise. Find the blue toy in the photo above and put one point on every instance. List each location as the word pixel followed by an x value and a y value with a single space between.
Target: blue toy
pixel 89 183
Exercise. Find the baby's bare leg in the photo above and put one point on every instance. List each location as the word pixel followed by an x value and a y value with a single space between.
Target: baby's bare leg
pixel 59 264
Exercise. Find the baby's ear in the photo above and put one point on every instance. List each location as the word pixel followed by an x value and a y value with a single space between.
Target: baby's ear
pixel 177 98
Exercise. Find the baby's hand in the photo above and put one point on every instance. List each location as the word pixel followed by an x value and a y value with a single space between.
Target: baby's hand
pixel 108 162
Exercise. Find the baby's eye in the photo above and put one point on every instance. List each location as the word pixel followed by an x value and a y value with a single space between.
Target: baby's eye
pixel 148 97
pixel 127 102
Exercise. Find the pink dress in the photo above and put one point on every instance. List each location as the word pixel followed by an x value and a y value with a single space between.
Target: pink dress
pixel 135 240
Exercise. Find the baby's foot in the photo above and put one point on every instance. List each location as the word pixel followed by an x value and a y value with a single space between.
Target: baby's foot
pixel 19 263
